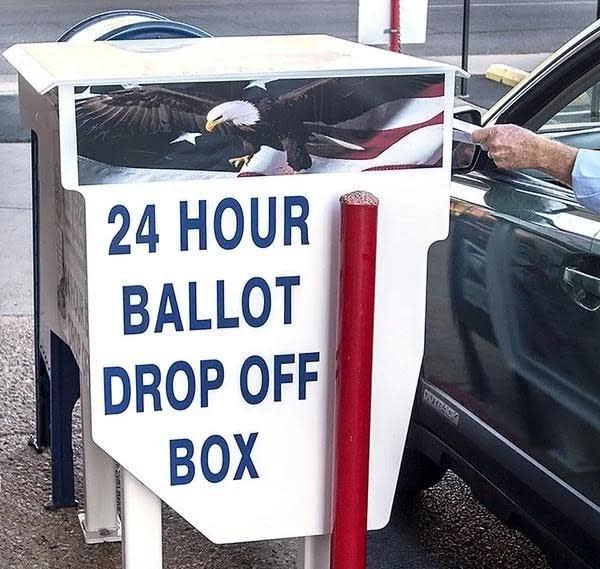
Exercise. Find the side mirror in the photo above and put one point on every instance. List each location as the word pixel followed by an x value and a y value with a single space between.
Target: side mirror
pixel 470 115
pixel 465 154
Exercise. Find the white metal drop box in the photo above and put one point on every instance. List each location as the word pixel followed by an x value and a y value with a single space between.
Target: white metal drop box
pixel 189 219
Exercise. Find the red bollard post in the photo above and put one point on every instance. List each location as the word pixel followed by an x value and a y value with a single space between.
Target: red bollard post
pixel 395 26
pixel 356 304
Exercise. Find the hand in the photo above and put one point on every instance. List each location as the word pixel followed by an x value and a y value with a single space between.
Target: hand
pixel 511 146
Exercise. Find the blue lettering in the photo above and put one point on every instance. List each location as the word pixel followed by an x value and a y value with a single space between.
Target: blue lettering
pixel 222 320
pixel 183 470
pixel 110 407
pixel 196 324
pixel 129 309
pixel 298 221
pixel 245 459
pixel 207 384
pixel 151 389
pixel 222 207
pixel 287 283
pixel 184 461
pixel 260 241
pixel 168 317
pixel 186 224
pixel 281 378
pixel 306 376
pixel 180 404
pixel 116 247
pixel 214 477
pixel 264 378
pixel 256 321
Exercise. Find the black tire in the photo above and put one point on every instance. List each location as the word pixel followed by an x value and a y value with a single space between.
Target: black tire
pixel 417 473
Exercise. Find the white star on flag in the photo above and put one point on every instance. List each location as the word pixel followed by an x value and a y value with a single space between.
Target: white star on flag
pixel 260 84
pixel 187 137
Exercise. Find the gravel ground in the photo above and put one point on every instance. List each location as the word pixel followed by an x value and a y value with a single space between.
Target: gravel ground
pixel 459 532
pixel 446 528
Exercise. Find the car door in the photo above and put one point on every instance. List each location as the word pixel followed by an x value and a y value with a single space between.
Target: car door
pixel 513 315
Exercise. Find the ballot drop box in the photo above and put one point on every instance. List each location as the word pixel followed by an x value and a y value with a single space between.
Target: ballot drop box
pixel 189 222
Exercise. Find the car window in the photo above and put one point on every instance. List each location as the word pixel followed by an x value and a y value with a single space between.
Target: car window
pixel 580 113
pixel 573 118
pixel 570 115
pixel 573 115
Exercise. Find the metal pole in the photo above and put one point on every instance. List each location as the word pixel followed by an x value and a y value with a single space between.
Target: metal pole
pixel 99 519
pixel 142 525
pixel 42 418
pixel 465 46
pixel 358 247
pixel 313 552
pixel 395 25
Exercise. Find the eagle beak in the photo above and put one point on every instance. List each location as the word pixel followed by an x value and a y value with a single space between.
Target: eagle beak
pixel 211 125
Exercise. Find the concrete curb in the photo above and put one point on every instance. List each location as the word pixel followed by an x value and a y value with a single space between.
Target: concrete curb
pixel 8 85
pixel 505 74
pixel 478 64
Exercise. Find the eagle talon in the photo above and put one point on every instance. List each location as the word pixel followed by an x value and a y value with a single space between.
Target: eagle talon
pixel 241 160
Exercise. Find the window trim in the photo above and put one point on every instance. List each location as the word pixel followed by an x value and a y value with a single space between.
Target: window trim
pixel 566 96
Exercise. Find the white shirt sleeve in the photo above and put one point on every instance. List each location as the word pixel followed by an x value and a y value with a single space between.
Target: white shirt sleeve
pixel 586 179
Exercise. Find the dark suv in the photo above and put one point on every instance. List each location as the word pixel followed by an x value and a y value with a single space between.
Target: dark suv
pixel 509 395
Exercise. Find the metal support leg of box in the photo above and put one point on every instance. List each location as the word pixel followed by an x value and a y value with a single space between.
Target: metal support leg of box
pixel 142 525
pixel 99 519
pixel 41 440
pixel 313 552
pixel 64 392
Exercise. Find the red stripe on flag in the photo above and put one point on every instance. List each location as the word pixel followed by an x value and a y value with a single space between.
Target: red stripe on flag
pixel 435 90
pixel 373 142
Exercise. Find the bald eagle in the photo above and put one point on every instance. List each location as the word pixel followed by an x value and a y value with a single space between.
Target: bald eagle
pixel 289 122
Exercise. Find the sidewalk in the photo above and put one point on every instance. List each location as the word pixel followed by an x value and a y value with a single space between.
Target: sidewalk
pixel 10 122
pixel 15 236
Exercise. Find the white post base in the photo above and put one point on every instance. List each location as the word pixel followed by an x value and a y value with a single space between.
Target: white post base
pixel 313 552
pixel 142 525
pixel 100 519
pixel 103 535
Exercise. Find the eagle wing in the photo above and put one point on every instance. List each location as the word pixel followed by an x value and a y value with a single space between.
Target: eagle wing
pixel 334 100
pixel 143 110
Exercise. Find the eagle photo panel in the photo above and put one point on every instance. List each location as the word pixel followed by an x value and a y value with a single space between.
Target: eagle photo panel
pixel 207 130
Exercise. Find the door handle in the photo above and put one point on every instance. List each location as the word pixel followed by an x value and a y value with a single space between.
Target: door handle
pixel 585 288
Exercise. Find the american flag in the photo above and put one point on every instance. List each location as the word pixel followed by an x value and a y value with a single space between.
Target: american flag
pixel 403 133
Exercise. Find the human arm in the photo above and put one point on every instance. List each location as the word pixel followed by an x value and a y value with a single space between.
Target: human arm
pixel 513 147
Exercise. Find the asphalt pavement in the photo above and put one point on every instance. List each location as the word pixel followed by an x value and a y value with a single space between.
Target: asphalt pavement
pixel 506 27
pixel 515 32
